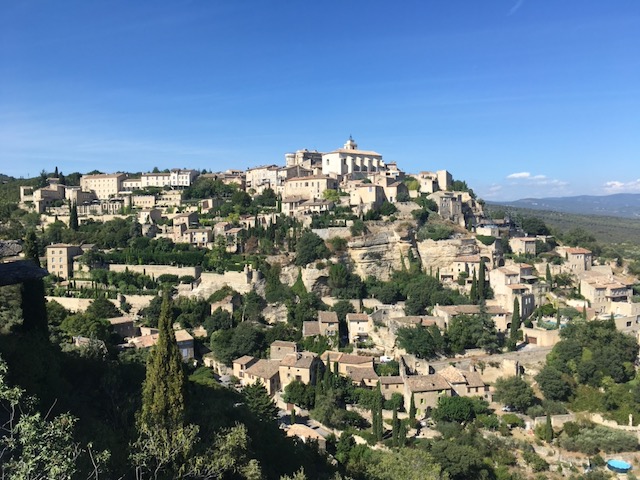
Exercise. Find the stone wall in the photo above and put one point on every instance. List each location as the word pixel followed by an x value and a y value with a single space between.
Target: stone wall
pixel 155 271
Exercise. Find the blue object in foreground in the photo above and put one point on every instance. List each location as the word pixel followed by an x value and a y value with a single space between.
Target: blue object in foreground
pixel 619 466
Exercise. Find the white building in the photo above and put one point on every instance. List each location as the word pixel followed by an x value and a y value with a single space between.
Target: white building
pixel 350 160
pixel 104 185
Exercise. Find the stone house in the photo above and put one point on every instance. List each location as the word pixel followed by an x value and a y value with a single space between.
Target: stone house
pixel 299 366
pixel 465 384
pixel 240 366
pixel 359 326
pixel 279 349
pixel 426 390
pixel 60 259
pixel 390 385
pixel 266 372
pixel 523 245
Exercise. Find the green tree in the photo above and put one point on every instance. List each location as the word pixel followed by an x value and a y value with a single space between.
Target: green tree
pixel 310 247
pixel 514 334
pixel 163 403
pixel 514 391
pixel 456 409
pixel 73 217
pixel 554 384
pixel 103 308
pixel 548 277
pixel 34 307
pixel 259 402
pixel 31 248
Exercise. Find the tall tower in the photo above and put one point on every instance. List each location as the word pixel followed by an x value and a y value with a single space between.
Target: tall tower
pixel 351 144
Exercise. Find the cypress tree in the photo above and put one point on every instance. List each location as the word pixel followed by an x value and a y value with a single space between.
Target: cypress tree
pixel 293 416
pixel 395 428
pixel 548 276
pixel 402 434
pixel 73 217
pixel 34 307
pixel 164 387
pixel 548 430
pixel 30 247
pixel 377 414
pixel 515 320
pixel 558 317
pixel 481 282
pixel 412 409
pixel 474 289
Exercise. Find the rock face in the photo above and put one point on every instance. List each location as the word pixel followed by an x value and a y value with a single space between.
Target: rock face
pixel 379 254
pixel 314 279
pixel 441 254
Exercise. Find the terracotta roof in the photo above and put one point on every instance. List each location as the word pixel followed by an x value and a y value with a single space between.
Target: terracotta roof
pixel 427 383
pixel 327 317
pixel 578 250
pixel 183 336
pixel 244 360
pixel 282 343
pixel 357 317
pixel 358 374
pixel 119 320
pixel 298 360
pixel 145 341
pixel 310 329
pixel 391 380
pixel 452 375
pixel 474 379
pixel 264 369
pixel 355 359
pixel 471 309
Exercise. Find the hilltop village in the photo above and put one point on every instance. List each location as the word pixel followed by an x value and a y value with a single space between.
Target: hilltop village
pixel 367 301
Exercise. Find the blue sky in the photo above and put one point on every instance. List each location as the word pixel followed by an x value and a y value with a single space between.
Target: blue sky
pixel 518 98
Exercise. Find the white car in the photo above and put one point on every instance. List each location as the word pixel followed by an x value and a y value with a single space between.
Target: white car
pixel 508 408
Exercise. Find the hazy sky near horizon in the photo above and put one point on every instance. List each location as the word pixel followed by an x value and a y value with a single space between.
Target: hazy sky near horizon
pixel 520 98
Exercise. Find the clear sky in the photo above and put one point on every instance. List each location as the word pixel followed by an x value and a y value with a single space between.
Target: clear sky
pixel 518 97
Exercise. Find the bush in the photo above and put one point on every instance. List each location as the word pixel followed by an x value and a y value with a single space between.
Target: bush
pixel 592 440
pixel 434 232
pixel 535 461
pixel 486 239
pixel 187 279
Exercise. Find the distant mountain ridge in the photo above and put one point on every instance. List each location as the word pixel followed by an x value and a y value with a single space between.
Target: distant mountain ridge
pixel 625 205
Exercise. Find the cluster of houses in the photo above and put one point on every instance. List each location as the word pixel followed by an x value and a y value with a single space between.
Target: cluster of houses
pixel 286 364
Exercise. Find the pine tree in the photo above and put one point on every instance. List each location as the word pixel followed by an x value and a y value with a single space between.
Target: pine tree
pixel 259 402
pixel 30 247
pixel 163 402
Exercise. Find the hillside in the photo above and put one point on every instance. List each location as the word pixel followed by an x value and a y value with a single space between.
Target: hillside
pixel 626 205
pixel 606 229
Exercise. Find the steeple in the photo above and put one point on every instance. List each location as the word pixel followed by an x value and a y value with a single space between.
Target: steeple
pixel 351 144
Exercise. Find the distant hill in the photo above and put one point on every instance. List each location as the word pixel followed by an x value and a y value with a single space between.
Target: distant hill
pixel 626 205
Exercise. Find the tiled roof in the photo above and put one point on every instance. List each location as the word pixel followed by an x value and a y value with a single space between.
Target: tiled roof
pixel 355 359
pixel 264 369
pixel 578 250
pixel 298 360
pixel 452 375
pixel 282 343
pixel 183 336
pixel 358 374
pixel 244 360
pixel 391 380
pixel 474 379
pixel 357 317
pixel 427 383
pixel 310 329
pixel 327 317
